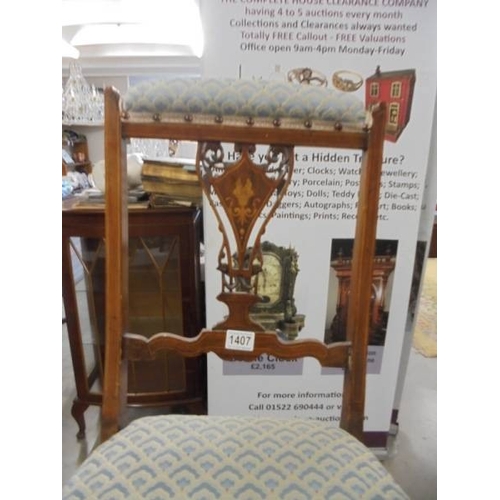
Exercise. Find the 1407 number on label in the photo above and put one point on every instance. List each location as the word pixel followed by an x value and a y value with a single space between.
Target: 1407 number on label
pixel 240 340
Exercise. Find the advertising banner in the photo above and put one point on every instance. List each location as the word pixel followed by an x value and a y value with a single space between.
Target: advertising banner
pixel 375 50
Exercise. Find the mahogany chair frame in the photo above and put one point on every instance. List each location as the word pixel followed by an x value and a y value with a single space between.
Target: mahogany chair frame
pixel 350 355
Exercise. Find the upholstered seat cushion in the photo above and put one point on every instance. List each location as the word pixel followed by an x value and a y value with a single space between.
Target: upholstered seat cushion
pixel 243 102
pixel 203 457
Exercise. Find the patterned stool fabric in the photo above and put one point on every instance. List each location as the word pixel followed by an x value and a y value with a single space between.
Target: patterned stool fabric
pixel 200 457
pixel 243 102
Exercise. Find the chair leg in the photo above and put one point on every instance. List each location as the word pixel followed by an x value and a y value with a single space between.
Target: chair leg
pixel 358 314
pixel 116 231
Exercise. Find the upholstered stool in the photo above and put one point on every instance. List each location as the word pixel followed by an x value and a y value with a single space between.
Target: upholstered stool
pixel 207 457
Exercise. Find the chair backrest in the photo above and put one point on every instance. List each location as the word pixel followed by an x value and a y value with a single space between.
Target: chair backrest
pixel 246 114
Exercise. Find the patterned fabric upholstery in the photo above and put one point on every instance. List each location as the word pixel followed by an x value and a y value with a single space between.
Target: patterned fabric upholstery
pixel 201 457
pixel 243 102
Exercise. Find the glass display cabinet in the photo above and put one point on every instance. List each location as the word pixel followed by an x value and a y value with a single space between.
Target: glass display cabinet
pixel 164 295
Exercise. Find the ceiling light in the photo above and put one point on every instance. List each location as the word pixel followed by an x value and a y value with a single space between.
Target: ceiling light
pixel 69 51
pixel 110 29
pixel 97 34
pixel 165 35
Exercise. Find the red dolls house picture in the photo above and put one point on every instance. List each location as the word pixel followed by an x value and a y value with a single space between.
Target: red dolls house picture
pixel 395 88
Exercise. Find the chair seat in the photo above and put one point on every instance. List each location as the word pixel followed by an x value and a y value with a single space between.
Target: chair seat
pixel 201 457
pixel 243 102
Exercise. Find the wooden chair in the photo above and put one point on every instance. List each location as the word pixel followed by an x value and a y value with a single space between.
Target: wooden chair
pixel 189 456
